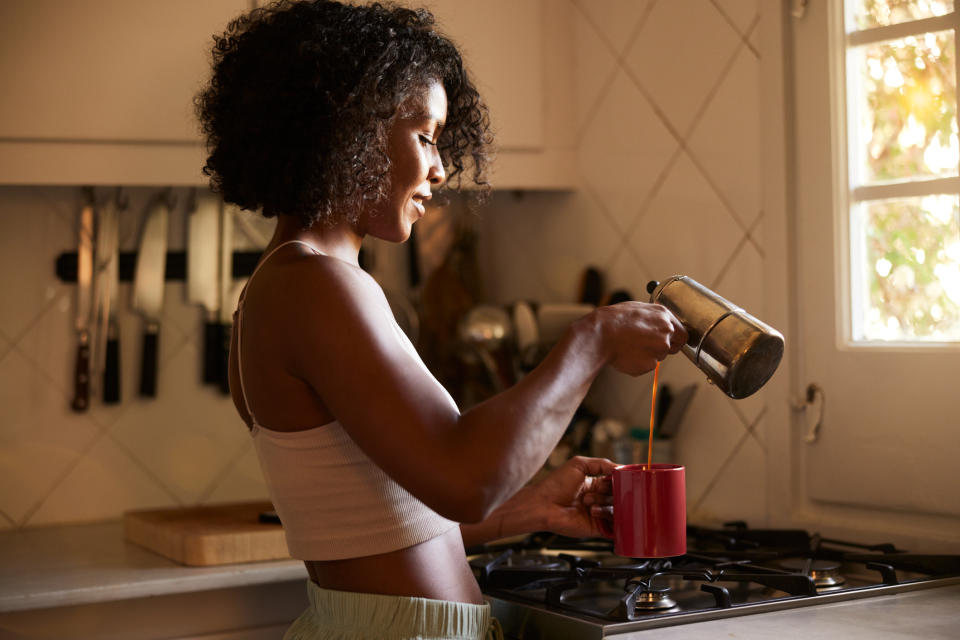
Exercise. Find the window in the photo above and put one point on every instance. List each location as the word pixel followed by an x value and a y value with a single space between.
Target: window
pixel 903 167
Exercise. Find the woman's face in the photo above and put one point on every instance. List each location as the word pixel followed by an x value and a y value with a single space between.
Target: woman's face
pixel 415 164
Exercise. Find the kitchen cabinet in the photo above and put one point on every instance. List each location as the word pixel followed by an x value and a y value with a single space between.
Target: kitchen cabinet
pixel 101 92
pixel 515 50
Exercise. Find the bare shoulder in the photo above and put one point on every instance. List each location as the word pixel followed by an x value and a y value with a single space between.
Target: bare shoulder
pixel 320 302
pixel 336 289
pixel 311 281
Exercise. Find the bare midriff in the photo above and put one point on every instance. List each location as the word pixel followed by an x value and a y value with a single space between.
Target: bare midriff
pixel 435 569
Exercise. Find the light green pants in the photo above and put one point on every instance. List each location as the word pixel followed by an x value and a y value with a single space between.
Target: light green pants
pixel 343 615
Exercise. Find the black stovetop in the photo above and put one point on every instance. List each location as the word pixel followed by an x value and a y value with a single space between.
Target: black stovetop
pixel 726 571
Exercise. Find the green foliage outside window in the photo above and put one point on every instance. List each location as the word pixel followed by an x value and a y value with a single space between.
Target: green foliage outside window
pixel 905 129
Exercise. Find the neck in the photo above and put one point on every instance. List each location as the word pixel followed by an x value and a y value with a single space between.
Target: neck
pixel 339 241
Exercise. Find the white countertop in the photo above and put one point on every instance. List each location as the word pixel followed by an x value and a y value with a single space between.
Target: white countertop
pixel 81 564
pixel 931 614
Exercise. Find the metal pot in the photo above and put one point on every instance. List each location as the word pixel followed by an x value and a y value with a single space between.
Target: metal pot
pixel 738 352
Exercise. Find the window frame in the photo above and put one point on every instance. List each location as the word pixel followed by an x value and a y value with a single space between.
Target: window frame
pixel 847 193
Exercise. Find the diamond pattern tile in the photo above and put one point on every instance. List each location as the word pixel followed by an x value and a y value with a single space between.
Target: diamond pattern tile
pixel 754 38
pixel 682 40
pixel 593 69
pixel 105 483
pixel 709 432
pixel 242 481
pixel 742 284
pixel 185 436
pixel 739 490
pixel 686 229
pixel 626 271
pixel 41 438
pixel 34 229
pixel 741 13
pixel 624 150
pixel 5 346
pixel 615 20
pixel 756 232
pixel 760 426
pixel 563 262
pixel 726 140
pixel 51 341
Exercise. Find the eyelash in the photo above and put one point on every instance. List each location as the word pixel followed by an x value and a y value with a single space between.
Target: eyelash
pixel 427 140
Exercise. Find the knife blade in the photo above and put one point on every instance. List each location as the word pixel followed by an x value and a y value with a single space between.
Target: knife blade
pixel 101 297
pixel 225 294
pixel 84 302
pixel 203 288
pixel 148 287
pixel 111 365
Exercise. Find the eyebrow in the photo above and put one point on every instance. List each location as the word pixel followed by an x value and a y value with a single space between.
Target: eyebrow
pixel 421 113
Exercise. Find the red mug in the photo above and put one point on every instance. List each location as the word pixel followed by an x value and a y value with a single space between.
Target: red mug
pixel 649 511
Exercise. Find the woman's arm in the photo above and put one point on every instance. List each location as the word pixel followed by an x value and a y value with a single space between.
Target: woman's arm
pixel 346 347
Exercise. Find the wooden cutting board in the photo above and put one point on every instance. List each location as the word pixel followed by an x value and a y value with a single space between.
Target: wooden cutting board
pixel 208 535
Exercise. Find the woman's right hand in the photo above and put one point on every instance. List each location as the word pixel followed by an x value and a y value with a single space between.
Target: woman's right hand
pixel 636 335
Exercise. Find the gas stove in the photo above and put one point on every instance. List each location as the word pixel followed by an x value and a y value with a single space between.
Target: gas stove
pixel 549 586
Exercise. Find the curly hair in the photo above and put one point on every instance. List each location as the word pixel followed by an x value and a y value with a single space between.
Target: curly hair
pixel 298 108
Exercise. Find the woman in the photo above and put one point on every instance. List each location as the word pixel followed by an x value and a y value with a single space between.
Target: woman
pixel 340 120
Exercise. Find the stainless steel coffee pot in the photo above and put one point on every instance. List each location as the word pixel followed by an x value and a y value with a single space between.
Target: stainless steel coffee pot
pixel 738 352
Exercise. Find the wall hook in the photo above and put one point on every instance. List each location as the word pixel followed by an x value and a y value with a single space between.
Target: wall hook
pixel 812 406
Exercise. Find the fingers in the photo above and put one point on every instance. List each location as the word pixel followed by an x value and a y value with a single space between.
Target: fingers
pixel 604 511
pixel 592 466
pixel 641 334
pixel 597 499
pixel 597 487
pixel 602 520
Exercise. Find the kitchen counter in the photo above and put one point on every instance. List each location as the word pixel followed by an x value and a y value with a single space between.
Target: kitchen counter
pixel 924 613
pixel 58 566
pixel 87 581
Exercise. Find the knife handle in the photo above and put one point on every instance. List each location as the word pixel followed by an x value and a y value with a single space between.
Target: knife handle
pixel 148 363
pixel 81 379
pixel 225 331
pixel 111 370
pixel 212 348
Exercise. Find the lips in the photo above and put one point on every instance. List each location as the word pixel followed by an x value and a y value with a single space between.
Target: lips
pixel 419 199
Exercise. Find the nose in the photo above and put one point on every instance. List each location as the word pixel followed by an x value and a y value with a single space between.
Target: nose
pixel 436 175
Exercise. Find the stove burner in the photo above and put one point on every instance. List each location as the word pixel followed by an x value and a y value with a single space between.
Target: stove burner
pixel 654 601
pixel 825 573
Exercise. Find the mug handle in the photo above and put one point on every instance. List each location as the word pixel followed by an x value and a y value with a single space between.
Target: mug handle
pixel 606 528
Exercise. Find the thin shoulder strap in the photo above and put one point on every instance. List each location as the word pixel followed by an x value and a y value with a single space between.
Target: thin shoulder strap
pixel 243 295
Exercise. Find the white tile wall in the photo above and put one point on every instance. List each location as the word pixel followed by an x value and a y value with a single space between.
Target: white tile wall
pixel 185 447
pixel 668 153
pixel 669 156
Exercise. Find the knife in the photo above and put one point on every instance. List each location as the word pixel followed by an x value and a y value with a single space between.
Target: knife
pixel 203 267
pixel 81 386
pixel 225 294
pixel 148 285
pixel 111 362
pixel 101 297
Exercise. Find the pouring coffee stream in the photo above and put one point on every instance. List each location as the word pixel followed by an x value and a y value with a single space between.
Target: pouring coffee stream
pixel 738 352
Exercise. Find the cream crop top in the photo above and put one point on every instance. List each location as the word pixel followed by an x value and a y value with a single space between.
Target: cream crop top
pixel 333 501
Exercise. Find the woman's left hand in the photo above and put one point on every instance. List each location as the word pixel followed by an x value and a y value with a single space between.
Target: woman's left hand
pixel 569 501
pixel 574 496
